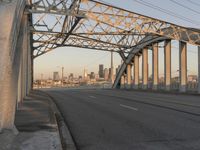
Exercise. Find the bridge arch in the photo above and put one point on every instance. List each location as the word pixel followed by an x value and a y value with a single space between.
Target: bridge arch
pixel 27 33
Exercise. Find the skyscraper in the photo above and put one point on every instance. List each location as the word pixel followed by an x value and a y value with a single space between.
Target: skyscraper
pixel 101 71
pixel 92 75
pixel 56 76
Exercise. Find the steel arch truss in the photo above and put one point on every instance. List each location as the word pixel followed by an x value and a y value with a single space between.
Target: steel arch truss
pixel 91 24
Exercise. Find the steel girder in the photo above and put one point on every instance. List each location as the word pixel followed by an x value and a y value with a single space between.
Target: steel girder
pixel 94 25
pixel 147 41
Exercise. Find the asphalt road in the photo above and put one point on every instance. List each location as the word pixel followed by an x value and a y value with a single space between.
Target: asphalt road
pixel 130 120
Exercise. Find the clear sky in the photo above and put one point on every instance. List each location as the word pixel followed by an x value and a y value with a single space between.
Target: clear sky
pixel 74 60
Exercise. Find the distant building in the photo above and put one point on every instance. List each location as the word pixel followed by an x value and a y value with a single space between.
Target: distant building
pixel 192 78
pixel 71 76
pixel 106 74
pixel 101 71
pixel 92 75
pixel 96 76
pixel 162 79
pixel 175 79
pixel 49 82
pixel 88 77
pixel 56 76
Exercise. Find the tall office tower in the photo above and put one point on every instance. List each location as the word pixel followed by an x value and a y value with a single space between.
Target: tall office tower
pixel 101 73
pixel 92 75
pixel 56 76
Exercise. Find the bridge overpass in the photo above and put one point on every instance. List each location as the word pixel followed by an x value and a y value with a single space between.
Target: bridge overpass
pixel 27 31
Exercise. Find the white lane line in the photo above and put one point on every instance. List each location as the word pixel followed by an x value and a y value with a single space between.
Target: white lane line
pixel 92 96
pixel 129 107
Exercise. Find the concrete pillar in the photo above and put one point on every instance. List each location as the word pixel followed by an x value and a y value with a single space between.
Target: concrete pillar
pixel 155 66
pixel 128 85
pixel 20 83
pixel 183 66
pixel 145 68
pixel 167 65
pixel 136 72
pixel 23 76
pixel 11 38
pixel 122 82
pixel 30 64
pixel 199 69
pixel 25 66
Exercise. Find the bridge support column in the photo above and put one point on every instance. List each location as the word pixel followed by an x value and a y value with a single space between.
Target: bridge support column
pixel 145 68
pixel 21 81
pixel 11 39
pixel 155 66
pixel 29 65
pixel 136 72
pixel 128 85
pixel 183 66
pixel 25 74
pixel 167 65
pixel 122 82
pixel 199 69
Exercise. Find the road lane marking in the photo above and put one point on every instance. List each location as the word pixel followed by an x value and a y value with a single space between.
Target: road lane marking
pixel 129 107
pixel 92 96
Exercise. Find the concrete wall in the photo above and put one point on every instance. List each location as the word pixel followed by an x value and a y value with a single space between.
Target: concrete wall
pixel 13 27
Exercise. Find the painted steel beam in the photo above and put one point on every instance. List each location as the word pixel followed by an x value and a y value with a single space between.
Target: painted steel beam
pixel 100 23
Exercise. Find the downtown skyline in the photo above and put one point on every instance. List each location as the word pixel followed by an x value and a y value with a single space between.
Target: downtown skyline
pixel 66 60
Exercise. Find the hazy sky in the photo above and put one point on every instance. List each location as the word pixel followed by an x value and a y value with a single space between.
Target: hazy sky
pixel 74 60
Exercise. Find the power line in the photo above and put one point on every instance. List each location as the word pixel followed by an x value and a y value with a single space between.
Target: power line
pixel 184 6
pixel 166 11
pixel 106 2
pixel 195 3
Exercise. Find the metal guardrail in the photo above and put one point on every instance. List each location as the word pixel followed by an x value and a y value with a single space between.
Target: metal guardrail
pixel 191 86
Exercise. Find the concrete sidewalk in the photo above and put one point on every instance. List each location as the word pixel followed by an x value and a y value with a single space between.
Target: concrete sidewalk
pixel 36 123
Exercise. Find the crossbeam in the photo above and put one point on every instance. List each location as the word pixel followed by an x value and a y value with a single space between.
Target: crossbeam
pixel 99 26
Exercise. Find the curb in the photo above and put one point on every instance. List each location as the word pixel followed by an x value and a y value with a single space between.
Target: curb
pixel 65 135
